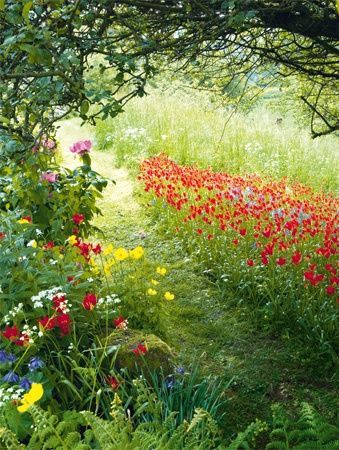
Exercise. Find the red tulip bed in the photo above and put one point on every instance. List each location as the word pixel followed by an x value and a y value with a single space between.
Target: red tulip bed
pixel 269 244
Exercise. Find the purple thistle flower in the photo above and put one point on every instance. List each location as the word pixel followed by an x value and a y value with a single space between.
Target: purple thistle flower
pixel 11 377
pixel 25 384
pixel 35 363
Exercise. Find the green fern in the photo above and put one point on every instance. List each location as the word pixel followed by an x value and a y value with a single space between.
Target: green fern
pixel 246 438
pixel 9 439
pixel 310 432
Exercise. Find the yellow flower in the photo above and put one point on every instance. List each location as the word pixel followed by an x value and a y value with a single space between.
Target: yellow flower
pixel 23 221
pixel 120 254
pixel 108 265
pixel 137 253
pixel 32 396
pixel 107 269
pixel 108 250
pixel 161 271
pixel 32 243
pixel 72 239
pixel 151 291
pixel 93 262
pixel 154 282
pixel 169 296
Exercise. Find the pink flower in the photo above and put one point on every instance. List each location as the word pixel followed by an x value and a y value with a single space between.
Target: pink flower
pixel 81 147
pixel 48 143
pixel 51 177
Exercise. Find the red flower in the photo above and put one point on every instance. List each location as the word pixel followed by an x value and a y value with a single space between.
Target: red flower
pixel 313 278
pixel 28 218
pixel 330 290
pixel 63 321
pixel 264 259
pixel 49 245
pixel 89 301
pixel 140 349
pixel 243 231
pixel 296 258
pixel 11 333
pixel 330 268
pixel 23 340
pixel 58 302
pixel 280 261
pixel 78 218
pixel 2 235
pixel 97 249
pixel 250 262
pixel 70 279
pixel 199 231
pixel 113 382
pixel 47 323
pixel 120 323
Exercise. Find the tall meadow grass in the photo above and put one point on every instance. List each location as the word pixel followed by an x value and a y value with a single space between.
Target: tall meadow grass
pixel 191 129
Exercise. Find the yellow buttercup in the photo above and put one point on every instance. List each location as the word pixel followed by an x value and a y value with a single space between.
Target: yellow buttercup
pixel 161 271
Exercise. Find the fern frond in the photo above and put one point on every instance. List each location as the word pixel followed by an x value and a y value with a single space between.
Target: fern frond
pixel 10 440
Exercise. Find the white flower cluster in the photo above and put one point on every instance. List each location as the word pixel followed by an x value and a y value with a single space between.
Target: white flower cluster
pixel 28 333
pixel 10 394
pixel 109 300
pixel 48 294
pixel 253 148
pixel 13 313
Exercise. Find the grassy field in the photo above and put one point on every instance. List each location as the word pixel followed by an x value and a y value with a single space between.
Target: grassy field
pixel 190 129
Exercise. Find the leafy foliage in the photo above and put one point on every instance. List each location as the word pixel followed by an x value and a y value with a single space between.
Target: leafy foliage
pixel 310 431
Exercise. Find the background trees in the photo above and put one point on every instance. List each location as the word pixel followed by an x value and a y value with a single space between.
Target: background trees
pixel 47 49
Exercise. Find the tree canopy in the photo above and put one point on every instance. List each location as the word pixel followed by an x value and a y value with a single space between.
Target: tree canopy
pixel 47 48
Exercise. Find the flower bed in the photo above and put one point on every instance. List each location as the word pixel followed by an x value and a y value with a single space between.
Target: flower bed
pixel 271 244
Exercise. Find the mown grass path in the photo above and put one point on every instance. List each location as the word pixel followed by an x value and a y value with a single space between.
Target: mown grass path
pixel 200 325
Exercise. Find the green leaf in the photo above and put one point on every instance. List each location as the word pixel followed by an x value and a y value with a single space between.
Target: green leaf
pixel 37 55
pixel 26 9
pixel 2 5
pixel 84 107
